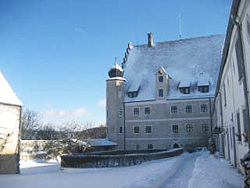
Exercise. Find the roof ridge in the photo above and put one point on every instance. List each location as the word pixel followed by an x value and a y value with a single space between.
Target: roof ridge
pixel 178 40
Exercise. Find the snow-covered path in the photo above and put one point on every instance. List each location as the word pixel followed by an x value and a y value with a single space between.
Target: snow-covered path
pixel 181 173
pixel 188 170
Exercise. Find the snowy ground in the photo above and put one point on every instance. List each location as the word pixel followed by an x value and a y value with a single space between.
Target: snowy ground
pixel 199 170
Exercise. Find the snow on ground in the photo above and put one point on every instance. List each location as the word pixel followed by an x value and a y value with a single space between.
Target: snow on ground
pixel 188 170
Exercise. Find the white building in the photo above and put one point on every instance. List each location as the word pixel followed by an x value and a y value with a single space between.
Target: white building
pixel 162 96
pixel 10 117
pixel 231 112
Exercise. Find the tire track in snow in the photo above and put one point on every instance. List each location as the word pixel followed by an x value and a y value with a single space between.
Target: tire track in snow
pixel 180 175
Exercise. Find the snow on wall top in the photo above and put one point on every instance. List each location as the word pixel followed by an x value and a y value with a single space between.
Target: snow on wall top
pixel 7 95
pixel 101 142
pixel 183 60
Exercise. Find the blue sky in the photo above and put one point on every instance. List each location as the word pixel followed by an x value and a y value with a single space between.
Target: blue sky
pixel 56 53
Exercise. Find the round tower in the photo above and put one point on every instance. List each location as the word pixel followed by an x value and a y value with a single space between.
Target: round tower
pixel 115 92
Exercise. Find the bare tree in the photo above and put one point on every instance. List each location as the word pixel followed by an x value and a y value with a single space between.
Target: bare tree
pixel 30 124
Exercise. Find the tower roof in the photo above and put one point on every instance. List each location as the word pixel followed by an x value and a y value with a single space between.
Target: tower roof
pixel 115 71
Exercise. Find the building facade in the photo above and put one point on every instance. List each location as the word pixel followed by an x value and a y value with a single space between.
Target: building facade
pixel 10 118
pixel 163 94
pixel 231 112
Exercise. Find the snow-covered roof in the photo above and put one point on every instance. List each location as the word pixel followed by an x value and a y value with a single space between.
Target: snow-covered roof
pixel 183 59
pixel 116 66
pixel 101 142
pixel 203 79
pixel 7 95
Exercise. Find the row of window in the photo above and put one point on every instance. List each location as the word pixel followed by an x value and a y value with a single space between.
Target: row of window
pixel 189 128
pixel 173 109
pixel 175 128
pixel 150 146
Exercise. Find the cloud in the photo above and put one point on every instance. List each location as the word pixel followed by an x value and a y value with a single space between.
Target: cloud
pixel 80 29
pixel 62 116
pixel 102 103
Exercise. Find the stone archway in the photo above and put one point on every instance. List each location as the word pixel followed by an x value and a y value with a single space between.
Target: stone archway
pixel 176 145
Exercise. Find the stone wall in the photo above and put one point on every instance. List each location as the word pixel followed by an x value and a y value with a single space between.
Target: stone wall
pixel 100 160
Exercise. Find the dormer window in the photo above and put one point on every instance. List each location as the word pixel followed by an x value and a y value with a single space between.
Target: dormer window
pixel 184 86
pixel 132 94
pixel 160 92
pixel 185 90
pixel 203 89
pixel 203 83
pixel 160 79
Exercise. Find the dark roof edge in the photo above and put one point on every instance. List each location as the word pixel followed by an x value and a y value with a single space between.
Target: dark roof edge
pixel 233 12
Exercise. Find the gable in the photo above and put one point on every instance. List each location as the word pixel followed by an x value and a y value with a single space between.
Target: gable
pixel 7 95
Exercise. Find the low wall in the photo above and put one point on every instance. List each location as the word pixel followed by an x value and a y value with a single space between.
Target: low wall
pixel 111 160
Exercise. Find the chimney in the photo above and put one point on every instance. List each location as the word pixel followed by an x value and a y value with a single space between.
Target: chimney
pixel 150 39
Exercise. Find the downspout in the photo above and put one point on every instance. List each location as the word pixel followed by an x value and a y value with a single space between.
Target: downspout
pixel 211 121
pixel 124 126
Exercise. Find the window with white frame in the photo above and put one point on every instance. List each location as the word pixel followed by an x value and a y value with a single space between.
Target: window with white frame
pixel 136 111
pixel 160 78
pixel 189 127
pixel 160 92
pixel 174 109
pixel 148 129
pixel 136 129
pixel 147 111
pixel 203 108
pixel 189 109
pixel 205 127
pixel 175 128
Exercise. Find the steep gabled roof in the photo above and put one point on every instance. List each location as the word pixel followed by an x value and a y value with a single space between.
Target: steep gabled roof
pixel 7 95
pixel 183 59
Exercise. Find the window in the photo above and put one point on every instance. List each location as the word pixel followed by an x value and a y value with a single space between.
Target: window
pixel 136 111
pixel 188 109
pixel 136 130
pixel 137 147
pixel 185 90
pixel 203 107
pixel 132 94
pixel 225 96
pixel 160 79
pixel 147 110
pixel 239 56
pixel 120 130
pixel 203 89
pixel 120 112
pixel 150 146
pixel 173 109
pixel 204 127
pixel 175 128
pixel 245 121
pixel 148 129
pixel 239 128
pixel 189 127
pixel 160 92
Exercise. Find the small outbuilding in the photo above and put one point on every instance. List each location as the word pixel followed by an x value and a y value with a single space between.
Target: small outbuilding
pixel 10 120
